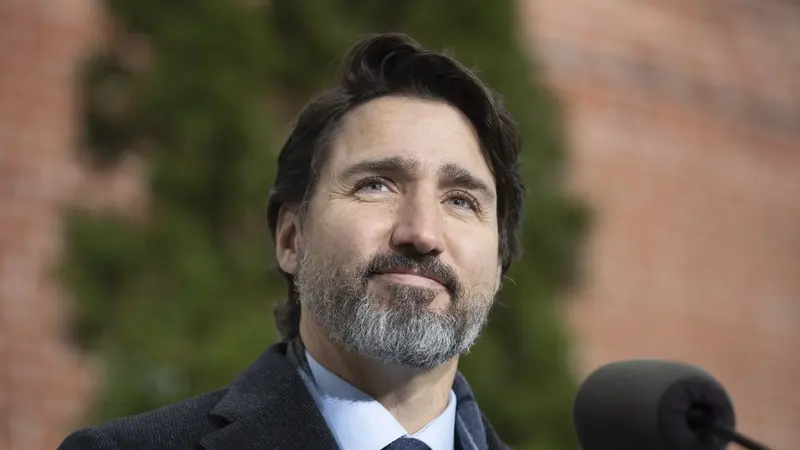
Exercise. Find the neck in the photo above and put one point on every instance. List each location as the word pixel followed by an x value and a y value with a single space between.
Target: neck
pixel 412 396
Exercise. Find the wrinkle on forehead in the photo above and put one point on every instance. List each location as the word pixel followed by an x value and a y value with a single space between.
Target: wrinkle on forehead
pixel 433 133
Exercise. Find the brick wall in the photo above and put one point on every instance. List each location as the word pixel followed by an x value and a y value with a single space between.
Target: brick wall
pixel 684 121
pixel 45 386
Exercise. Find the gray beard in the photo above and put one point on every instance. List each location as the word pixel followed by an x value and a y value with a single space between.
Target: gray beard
pixel 402 330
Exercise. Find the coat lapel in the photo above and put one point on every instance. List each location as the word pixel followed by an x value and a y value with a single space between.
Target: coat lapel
pixel 269 407
pixel 473 431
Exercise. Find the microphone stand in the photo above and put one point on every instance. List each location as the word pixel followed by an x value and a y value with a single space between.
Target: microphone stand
pixel 702 418
pixel 733 436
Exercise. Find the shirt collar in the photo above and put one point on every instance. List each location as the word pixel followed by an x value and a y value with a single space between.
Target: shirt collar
pixel 360 422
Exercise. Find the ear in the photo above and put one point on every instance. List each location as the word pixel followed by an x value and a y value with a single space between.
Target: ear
pixel 287 239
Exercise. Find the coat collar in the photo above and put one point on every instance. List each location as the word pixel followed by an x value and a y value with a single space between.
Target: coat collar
pixel 268 406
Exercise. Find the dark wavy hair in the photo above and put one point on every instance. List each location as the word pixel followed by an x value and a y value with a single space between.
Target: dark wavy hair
pixel 394 64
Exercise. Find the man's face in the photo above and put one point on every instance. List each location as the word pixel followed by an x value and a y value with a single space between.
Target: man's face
pixel 398 254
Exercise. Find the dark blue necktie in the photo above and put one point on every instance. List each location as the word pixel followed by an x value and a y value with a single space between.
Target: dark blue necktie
pixel 407 443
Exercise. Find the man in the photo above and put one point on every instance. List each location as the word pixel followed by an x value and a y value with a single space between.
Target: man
pixel 395 214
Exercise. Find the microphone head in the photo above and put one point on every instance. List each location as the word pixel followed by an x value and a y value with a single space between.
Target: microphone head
pixel 651 404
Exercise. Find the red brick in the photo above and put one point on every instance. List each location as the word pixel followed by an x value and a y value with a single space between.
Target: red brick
pixel 46 388
pixel 698 204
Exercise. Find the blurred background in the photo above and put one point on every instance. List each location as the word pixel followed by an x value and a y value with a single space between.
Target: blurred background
pixel 137 148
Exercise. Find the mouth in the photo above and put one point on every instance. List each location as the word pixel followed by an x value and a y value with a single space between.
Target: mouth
pixel 410 275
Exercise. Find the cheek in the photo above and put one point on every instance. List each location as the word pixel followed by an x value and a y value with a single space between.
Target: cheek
pixel 487 269
pixel 480 257
pixel 347 235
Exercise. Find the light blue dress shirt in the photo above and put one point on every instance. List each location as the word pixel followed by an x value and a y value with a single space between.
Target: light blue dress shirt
pixel 359 422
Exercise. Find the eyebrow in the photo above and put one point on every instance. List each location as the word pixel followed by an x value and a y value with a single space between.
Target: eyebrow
pixel 451 174
pixel 455 175
pixel 393 164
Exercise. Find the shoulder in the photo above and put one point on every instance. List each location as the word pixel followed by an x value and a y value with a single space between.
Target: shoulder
pixel 183 424
pixel 178 425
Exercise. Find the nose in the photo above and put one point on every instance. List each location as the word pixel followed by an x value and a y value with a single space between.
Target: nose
pixel 419 227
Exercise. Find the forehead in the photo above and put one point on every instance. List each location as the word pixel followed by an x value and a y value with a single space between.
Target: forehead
pixel 430 132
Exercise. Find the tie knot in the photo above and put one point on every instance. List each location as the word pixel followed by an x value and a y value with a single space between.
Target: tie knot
pixel 407 443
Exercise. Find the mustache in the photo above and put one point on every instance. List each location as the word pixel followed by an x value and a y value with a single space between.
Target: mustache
pixel 426 265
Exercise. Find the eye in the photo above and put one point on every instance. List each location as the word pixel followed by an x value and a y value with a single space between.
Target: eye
pixel 463 200
pixel 372 184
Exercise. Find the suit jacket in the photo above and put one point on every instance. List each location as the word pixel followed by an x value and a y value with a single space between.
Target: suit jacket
pixel 266 407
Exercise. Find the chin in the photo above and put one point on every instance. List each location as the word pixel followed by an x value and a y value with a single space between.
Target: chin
pixel 438 308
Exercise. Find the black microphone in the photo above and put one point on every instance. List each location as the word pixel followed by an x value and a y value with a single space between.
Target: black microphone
pixel 651 404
